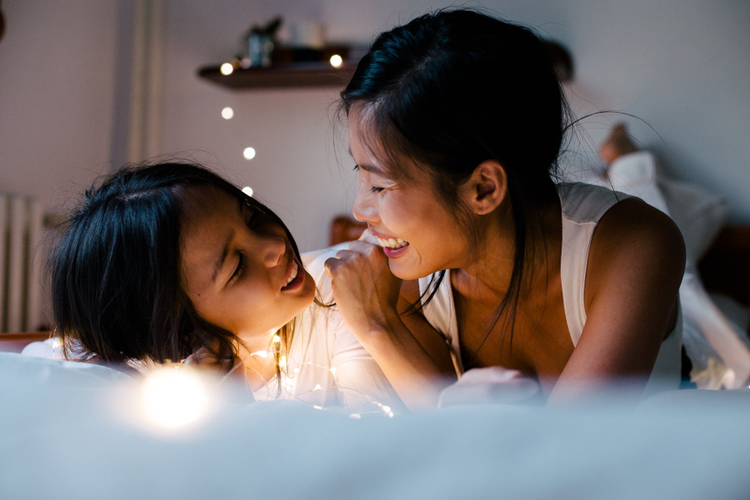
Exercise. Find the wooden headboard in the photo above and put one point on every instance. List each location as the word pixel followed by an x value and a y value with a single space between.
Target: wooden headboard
pixel 725 268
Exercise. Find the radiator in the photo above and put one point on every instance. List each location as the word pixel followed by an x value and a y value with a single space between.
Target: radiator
pixel 21 264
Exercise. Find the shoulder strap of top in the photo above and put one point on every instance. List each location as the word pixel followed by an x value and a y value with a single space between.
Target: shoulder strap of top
pixel 583 205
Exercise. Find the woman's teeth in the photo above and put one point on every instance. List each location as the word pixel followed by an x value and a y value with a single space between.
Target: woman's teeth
pixel 294 273
pixel 392 242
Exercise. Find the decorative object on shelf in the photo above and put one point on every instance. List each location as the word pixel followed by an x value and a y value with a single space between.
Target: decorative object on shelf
pixel 561 60
pixel 261 41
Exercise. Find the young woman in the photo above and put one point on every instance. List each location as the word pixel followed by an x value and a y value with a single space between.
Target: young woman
pixel 456 121
pixel 169 261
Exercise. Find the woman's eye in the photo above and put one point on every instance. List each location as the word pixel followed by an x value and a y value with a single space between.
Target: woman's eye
pixel 240 267
pixel 376 189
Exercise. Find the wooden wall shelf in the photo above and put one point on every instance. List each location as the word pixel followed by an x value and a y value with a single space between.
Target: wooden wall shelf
pixel 299 75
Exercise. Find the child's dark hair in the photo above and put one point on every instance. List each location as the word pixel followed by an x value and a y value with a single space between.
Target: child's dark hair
pixel 452 89
pixel 115 270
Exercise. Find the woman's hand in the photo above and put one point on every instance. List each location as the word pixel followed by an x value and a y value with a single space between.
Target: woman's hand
pixel 491 385
pixel 364 288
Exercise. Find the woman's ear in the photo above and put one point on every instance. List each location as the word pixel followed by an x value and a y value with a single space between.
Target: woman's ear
pixel 486 189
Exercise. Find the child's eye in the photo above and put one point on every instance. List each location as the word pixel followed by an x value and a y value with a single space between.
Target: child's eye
pixel 376 189
pixel 240 267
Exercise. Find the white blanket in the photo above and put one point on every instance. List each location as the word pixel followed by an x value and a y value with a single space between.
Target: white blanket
pixel 74 440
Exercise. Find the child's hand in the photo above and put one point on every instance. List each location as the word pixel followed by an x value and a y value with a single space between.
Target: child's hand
pixel 204 359
pixel 364 288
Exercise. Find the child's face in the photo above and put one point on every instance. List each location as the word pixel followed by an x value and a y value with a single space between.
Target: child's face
pixel 236 267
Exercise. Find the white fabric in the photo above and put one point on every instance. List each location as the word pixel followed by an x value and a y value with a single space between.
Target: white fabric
pixel 327 366
pixel 62 443
pixel 582 207
pixel 55 373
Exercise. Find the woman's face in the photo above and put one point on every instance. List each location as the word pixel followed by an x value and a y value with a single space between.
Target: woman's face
pixel 417 233
pixel 238 266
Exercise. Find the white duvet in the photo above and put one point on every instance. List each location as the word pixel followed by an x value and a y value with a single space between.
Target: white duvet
pixel 65 433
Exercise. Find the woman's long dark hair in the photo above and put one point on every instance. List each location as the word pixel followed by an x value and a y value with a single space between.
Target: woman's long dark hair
pixel 115 270
pixel 453 89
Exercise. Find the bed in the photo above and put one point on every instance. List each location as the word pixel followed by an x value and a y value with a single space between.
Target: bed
pixel 76 430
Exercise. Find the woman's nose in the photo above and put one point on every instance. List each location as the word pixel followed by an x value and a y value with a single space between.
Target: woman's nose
pixel 363 210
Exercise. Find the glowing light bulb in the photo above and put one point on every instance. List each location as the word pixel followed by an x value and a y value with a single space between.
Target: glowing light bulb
pixel 174 397
pixel 317 387
pixel 262 354
pixel 226 69
pixel 282 362
pixel 387 409
pixel 355 416
pixel 276 339
pixel 333 370
pixel 248 191
pixel 336 61
pixel 249 153
pixel 227 113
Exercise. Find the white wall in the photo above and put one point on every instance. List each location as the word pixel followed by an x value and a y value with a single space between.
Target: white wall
pixel 681 65
pixel 57 95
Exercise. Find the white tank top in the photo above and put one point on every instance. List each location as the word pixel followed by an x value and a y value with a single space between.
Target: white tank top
pixel 583 205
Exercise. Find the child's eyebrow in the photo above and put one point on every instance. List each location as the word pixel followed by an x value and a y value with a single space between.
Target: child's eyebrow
pixel 225 252
pixel 222 258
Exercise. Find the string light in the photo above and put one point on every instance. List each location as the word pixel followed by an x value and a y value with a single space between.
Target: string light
pixel 289 382
pixel 174 397
pixel 227 113
pixel 249 153
pixel 336 61
pixel 248 191
pixel 227 69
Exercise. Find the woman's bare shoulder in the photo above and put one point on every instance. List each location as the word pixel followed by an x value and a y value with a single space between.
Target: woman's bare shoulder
pixel 635 238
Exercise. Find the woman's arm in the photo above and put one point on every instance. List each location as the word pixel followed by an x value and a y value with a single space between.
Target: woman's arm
pixel 635 266
pixel 367 295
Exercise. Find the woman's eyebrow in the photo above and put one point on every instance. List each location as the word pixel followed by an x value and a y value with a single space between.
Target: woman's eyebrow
pixel 373 170
pixel 368 168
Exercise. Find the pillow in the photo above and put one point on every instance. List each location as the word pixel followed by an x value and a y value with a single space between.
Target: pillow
pixel 699 214
pixel 30 370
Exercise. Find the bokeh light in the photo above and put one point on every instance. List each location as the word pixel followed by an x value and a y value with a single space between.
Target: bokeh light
pixel 336 61
pixel 227 69
pixel 174 397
